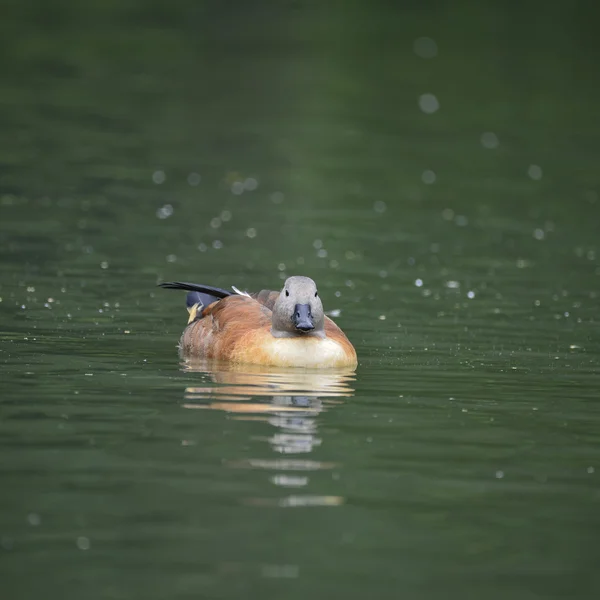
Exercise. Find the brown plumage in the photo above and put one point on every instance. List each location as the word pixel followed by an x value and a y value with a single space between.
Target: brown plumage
pixel 286 328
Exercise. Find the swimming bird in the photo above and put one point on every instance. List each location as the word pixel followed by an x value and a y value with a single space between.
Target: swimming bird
pixel 283 329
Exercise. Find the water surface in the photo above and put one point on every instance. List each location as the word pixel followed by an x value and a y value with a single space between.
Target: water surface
pixel 239 143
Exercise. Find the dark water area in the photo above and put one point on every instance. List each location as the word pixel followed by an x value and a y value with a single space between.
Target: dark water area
pixel 433 166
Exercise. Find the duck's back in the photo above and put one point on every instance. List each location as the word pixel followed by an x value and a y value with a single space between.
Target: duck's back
pixel 223 326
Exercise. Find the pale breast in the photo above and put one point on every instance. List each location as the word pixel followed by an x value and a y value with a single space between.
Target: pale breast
pixel 311 353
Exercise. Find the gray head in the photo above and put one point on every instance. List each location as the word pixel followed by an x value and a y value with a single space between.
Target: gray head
pixel 298 310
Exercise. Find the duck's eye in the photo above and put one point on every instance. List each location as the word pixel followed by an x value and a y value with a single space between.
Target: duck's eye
pixel 316 294
pixel 287 293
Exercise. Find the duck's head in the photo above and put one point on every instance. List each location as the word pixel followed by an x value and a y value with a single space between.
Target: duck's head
pixel 298 310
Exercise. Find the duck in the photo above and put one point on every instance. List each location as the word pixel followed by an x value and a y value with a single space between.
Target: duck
pixel 277 329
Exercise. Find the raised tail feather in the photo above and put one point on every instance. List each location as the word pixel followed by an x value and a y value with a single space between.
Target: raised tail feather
pixel 199 296
pixel 196 287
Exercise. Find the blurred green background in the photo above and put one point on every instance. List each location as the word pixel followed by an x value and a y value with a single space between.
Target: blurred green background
pixel 433 166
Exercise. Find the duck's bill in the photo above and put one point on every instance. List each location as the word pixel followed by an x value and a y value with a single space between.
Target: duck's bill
pixel 303 319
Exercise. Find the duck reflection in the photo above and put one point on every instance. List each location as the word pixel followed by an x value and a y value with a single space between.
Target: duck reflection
pixel 290 401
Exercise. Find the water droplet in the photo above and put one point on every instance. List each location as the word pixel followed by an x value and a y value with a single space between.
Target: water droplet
pixel 322 253
pixel 83 543
pixel 194 179
pixel 535 172
pixel 34 519
pixel 428 177
pixel 317 244
pixel 452 284
pixel 419 282
pixel 217 244
pixel 539 234
pixel 165 211
pixel 380 206
pixel 202 247
pixel 226 216
pixel 237 188
pixel 159 177
pixel 425 47
pixel 428 103
pixel 499 474
pixel 470 294
pixel 251 232
pixel 104 264
pixel 489 140
pixel 215 223
pixel 250 184
pixel 171 258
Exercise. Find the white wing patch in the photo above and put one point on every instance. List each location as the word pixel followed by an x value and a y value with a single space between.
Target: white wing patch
pixel 240 292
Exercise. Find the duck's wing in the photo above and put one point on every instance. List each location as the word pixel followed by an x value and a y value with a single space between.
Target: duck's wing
pixel 266 297
pixel 223 325
pixel 236 308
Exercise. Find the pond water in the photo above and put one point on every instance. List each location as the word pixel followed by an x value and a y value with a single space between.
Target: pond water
pixel 434 168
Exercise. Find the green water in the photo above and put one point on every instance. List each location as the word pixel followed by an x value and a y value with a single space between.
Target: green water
pixel 238 143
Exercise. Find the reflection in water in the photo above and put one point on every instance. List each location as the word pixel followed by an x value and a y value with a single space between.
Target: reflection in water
pixel 290 401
